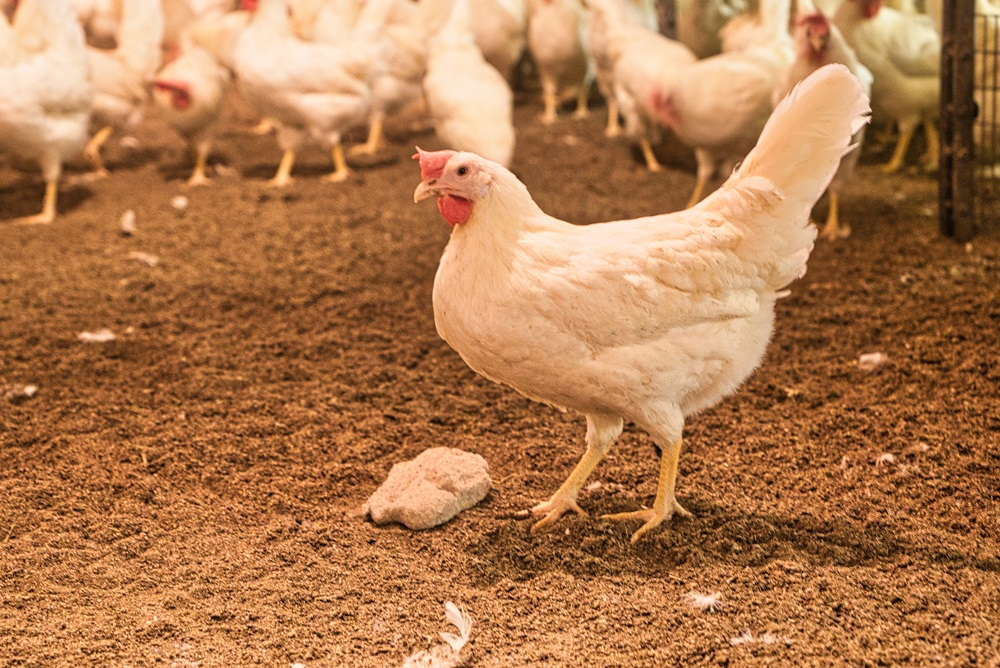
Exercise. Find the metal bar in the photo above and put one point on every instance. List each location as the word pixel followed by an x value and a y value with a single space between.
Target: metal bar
pixel 964 109
pixel 946 121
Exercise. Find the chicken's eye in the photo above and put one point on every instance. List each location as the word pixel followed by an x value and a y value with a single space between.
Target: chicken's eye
pixel 463 170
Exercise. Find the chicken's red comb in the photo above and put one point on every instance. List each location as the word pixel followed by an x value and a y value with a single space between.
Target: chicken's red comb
pixel 816 20
pixel 432 162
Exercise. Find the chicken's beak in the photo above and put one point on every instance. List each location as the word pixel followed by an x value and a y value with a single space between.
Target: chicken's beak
pixel 425 190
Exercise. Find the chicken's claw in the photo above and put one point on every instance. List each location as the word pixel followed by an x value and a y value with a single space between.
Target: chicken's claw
pixel 652 517
pixel 550 511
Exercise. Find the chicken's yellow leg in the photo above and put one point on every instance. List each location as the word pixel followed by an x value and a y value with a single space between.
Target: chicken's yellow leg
pixel 48 213
pixel 832 230
pixel 374 137
pixel 601 434
pixel 896 161
pixel 933 154
pixel 699 188
pixel 549 102
pixel 93 151
pixel 582 96
pixel 283 176
pixel 340 170
pixel 198 177
pixel 265 127
pixel 614 124
pixel 647 152
pixel 665 505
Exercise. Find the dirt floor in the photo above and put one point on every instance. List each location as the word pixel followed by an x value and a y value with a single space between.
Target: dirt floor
pixel 188 494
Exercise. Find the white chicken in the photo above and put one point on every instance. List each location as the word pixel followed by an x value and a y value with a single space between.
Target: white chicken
pixel 699 23
pixel 647 320
pixel 469 100
pixel 598 36
pixel 555 41
pixel 122 77
pixel 718 105
pixel 819 43
pixel 640 62
pixel 903 52
pixel 309 89
pixel 189 92
pixel 500 29
pixel 45 112
pixel 404 63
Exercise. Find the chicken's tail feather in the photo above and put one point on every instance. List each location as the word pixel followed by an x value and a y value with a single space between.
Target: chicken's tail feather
pixel 798 153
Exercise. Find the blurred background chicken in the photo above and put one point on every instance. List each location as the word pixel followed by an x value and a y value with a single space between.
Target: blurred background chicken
pixel 819 43
pixel 640 62
pixel 45 107
pixel 500 30
pixel 189 92
pixel 903 53
pixel 718 105
pixel 122 77
pixel 469 100
pixel 309 89
pixel 556 44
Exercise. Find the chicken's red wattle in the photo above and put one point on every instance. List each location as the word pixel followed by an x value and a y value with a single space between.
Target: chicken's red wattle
pixel 456 210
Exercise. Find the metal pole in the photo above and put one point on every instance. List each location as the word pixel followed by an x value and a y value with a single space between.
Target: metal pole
pixel 958 112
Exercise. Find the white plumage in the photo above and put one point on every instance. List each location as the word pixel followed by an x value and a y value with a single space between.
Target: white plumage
pixel 647 320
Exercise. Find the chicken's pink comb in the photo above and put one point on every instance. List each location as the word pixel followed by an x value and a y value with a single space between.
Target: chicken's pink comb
pixel 432 162
pixel 816 20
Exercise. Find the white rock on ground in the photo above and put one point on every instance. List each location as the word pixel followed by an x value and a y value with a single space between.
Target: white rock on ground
pixel 430 489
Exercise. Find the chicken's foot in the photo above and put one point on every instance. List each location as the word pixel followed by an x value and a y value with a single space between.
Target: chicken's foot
pixel 283 176
pixel 699 188
pixel 340 170
pixel 601 434
pixel 198 177
pixel 647 152
pixel 896 161
pixel 665 506
pixel 371 146
pixel 93 151
pixel 48 213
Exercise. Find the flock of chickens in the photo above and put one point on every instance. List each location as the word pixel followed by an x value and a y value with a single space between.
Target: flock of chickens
pixel 645 320
pixel 78 71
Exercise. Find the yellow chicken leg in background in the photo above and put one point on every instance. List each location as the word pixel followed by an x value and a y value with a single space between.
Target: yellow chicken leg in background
pixel 614 127
pixel 931 158
pixel 665 505
pixel 896 161
pixel 283 176
pixel 198 177
pixel 550 101
pixel 582 96
pixel 93 151
pixel 374 137
pixel 602 430
pixel 833 230
pixel 265 127
pixel 48 213
pixel 340 169
pixel 647 152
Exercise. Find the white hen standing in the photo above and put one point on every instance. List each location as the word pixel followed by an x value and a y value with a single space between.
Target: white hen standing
pixel 469 100
pixel 648 320
pixel 819 43
pixel 309 89
pixel 122 77
pixel 189 92
pixel 45 111
pixel 555 40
